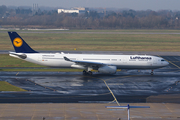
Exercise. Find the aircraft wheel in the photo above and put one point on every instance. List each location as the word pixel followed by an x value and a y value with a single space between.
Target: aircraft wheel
pixel 89 72
pixel 84 72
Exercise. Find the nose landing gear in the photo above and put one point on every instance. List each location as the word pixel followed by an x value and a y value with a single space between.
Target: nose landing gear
pixel 152 73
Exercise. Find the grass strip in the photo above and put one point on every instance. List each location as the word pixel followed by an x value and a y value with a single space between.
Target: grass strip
pixel 99 42
pixel 5 86
pixel 42 70
pixel 7 61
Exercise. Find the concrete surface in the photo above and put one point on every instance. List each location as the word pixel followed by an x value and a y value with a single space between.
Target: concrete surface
pixel 93 111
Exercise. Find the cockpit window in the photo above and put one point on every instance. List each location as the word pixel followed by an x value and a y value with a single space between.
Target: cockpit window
pixel 162 60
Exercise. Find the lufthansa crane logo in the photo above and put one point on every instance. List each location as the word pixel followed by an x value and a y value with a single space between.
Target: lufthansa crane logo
pixel 17 42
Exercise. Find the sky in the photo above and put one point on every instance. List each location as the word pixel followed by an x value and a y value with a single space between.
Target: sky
pixel 130 4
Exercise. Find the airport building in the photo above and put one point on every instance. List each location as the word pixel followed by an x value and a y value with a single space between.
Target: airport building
pixel 73 10
pixel 67 11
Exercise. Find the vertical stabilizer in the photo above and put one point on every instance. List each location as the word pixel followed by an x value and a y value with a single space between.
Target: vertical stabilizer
pixel 19 44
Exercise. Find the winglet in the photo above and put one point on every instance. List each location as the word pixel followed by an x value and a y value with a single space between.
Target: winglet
pixel 67 59
pixel 19 44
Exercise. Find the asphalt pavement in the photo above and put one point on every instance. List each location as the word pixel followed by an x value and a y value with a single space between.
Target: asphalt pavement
pixel 73 87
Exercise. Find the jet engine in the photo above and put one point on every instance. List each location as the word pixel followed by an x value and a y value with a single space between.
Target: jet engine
pixel 107 69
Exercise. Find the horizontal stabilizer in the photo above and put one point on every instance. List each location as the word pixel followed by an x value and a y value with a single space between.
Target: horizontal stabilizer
pixel 20 55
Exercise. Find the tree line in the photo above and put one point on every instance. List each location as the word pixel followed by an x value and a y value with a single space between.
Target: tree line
pixel 126 19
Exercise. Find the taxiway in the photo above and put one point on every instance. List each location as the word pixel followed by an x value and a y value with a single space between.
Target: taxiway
pixel 73 87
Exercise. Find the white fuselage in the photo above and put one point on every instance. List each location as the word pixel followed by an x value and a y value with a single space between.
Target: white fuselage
pixel 120 61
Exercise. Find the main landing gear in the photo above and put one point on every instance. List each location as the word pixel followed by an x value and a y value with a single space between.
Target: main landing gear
pixel 152 73
pixel 87 73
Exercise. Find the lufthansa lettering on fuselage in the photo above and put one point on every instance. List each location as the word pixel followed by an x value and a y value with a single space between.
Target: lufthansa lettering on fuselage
pixel 140 58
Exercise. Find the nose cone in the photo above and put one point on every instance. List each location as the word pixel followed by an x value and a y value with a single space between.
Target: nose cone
pixel 166 63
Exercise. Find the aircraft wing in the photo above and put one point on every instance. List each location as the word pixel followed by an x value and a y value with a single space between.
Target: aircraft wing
pixel 85 63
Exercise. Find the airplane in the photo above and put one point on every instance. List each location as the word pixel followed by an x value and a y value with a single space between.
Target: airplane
pixel 105 64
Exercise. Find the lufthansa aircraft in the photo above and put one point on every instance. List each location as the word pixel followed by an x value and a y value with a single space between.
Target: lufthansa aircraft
pixel 106 64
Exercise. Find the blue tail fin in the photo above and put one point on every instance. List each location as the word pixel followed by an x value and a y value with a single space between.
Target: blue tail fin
pixel 19 44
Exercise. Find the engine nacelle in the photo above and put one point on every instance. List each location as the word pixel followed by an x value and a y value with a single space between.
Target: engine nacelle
pixel 108 69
